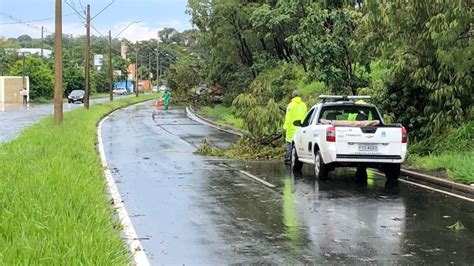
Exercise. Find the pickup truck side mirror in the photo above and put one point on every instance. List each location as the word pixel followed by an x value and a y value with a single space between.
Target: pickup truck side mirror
pixel 297 123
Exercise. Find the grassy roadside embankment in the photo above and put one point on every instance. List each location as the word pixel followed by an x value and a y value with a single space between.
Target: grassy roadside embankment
pixel 54 206
pixel 222 114
pixel 453 157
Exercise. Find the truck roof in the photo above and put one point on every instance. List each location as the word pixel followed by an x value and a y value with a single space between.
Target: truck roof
pixel 341 103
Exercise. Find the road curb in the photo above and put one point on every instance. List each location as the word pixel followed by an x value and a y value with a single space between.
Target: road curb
pixel 129 233
pixel 438 181
pixel 232 130
pixel 412 174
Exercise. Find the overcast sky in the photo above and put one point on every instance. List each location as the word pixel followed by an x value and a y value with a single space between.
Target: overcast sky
pixel 154 14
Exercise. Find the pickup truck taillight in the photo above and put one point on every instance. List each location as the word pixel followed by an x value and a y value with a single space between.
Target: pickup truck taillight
pixel 331 134
pixel 404 135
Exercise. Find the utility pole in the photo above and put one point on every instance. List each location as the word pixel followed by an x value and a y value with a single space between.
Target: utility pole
pixel 149 71
pixel 158 60
pixel 42 40
pixel 58 65
pixel 111 75
pixel 157 70
pixel 136 71
pixel 87 57
pixel 23 71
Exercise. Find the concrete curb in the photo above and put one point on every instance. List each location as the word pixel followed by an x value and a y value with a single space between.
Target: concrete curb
pixel 130 235
pixel 194 116
pixel 412 174
pixel 438 181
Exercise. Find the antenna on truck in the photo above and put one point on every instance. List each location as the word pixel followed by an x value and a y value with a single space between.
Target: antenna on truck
pixel 326 98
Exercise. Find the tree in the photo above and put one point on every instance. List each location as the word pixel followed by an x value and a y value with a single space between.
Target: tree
pixel 324 39
pixel 166 34
pixel 41 77
pixel 73 79
pixel 429 47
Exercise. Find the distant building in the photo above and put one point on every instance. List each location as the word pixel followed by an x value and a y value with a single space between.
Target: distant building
pixel 10 88
pixel 46 53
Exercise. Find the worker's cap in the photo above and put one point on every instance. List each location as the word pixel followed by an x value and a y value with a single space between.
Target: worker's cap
pixel 295 93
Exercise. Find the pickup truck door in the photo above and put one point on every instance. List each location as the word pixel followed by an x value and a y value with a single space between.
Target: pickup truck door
pixel 307 139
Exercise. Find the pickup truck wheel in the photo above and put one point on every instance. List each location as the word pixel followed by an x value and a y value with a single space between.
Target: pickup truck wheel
pixel 392 172
pixel 296 165
pixel 320 169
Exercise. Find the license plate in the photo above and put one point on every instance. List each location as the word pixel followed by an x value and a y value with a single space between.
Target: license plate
pixel 368 147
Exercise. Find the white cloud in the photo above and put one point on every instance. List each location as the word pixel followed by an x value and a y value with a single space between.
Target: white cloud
pixel 136 32
pixel 143 31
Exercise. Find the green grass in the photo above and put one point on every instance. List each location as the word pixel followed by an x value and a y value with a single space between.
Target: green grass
pixel 53 201
pixel 222 115
pixel 452 153
pixel 100 95
pixel 459 167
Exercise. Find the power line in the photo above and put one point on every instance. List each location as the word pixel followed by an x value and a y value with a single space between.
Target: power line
pixel 96 30
pixel 82 6
pixel 19 21
pixel 107 6
pixel 75 10
pixel 30 21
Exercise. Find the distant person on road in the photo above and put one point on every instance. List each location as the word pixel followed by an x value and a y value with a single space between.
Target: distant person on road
pixel 24 94
pixel 166 98
pixel 296 110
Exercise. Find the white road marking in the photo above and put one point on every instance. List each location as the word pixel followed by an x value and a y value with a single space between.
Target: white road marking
pixel 257 179
pixel 185 142
pixel 436 190
pixel 131 237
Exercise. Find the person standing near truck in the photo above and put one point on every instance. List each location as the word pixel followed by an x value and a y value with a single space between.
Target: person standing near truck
pixel 296 110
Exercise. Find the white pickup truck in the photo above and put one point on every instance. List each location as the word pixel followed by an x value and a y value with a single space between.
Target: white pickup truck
pixel 348 133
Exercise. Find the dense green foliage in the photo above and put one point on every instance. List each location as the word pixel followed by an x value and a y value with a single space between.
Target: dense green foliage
pixel 40 75
pixel 413 57
pixel 54 209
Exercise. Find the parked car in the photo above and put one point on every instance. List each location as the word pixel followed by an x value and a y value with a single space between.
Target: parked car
pixel 348 133
pixel 76 96
pixel 121 91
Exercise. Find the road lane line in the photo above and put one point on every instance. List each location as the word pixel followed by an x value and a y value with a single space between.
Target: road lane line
pixel 436 190
pixel 257 179
pixel 185 142
pixel 131 237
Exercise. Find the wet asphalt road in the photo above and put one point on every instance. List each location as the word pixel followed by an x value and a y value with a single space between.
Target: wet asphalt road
pixel 15 117
pixel 190 209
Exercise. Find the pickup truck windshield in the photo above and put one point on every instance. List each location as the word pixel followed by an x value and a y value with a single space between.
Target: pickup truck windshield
pixel 349 113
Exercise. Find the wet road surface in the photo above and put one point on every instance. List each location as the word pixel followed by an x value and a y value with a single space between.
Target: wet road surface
pixel 190 209
pixel 15 117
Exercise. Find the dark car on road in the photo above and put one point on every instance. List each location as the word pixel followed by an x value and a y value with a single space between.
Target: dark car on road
pixel 76 96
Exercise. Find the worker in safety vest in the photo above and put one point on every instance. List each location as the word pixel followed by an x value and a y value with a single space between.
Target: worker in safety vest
pixel 353 116
pixel 166 98
pixel 296 110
